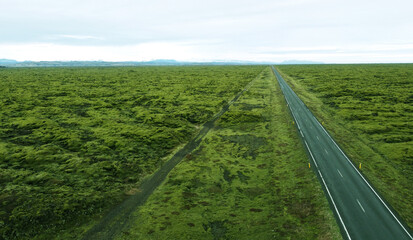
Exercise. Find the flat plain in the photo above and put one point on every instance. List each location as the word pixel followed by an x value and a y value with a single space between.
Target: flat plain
pixel 248 179
pixel 74 142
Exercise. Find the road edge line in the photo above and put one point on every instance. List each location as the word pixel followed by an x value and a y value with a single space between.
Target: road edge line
pixel 321 176
pixel 334 204
pixel 368 184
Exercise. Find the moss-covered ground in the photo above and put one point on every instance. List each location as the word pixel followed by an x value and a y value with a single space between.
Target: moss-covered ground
pixel 74 142
pixel 248 179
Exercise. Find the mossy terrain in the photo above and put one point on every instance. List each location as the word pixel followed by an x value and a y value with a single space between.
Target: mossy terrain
pixel 248 179
pixel 74 142
pixel 369 111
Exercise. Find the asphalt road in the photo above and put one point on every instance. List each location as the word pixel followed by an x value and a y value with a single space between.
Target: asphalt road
pixel 360 212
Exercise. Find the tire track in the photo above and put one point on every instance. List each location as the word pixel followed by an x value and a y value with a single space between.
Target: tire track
pixel 119 217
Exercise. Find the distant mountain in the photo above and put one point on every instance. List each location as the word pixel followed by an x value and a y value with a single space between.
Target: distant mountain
pixel 163 61
pixel 6 62
pixel 157 62
pixel 12 63
pixel 292 62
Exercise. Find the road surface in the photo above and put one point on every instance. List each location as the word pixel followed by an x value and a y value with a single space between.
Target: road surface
pixel 361 213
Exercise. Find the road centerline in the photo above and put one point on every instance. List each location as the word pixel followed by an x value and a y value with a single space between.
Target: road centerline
pixel 360 205
pixel 334 204
pixel 384 222
pixel 340 173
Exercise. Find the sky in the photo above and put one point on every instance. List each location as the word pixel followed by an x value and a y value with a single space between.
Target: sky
pixel 330 31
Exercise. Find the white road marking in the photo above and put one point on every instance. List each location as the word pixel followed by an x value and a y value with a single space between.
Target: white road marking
pixel 381 200
pixel 301 133
pixel 318 138
pixel 311 154
pixel 360 205
pixel 326 151
pixel 334 204
pixel 295 119
pixel 278 78
pixel 323 128
pixel 298 125
pixel 340 173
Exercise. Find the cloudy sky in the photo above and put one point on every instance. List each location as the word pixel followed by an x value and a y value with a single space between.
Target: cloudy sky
pixel 332 31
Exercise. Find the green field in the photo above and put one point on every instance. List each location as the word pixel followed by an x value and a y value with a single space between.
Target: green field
pixel 369 110
pixel 76 141
pixel 248 179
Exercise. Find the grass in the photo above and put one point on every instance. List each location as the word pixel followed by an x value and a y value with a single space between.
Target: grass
pixel 368 109
pixel 248 179
pixel 74 142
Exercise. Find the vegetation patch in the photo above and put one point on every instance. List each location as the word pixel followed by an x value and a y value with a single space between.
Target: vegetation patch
pixel 220 192
pixel 74 142
pixel 249 142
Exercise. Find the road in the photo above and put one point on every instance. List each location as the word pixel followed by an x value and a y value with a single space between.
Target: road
pixel 360 212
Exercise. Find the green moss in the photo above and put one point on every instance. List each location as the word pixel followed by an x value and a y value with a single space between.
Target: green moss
pixel 248 179
pixel 74 142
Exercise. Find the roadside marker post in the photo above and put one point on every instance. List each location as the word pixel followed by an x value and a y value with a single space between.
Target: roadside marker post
pixel 309 166
pixel 360 166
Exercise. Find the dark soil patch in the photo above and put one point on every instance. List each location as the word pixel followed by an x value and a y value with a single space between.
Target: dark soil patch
pixel 227 176
pixel 215 189
pixel 252 142
pixel 242 177
pixel 218 229
pixel 282 145
pixel 188 206
pixel 255 210
pixel 187 195
pixel 262 166
pixel 203 203
pixel 253 192
pixel 166 199
pixel 246 106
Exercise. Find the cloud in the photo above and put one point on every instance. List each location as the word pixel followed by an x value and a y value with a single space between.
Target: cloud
pixel 214 29
pixel 204 51
pixel 80 37
pixel 358 48
pixel 139 52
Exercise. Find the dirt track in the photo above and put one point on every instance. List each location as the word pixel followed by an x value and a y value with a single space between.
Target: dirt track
pixel 119 217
